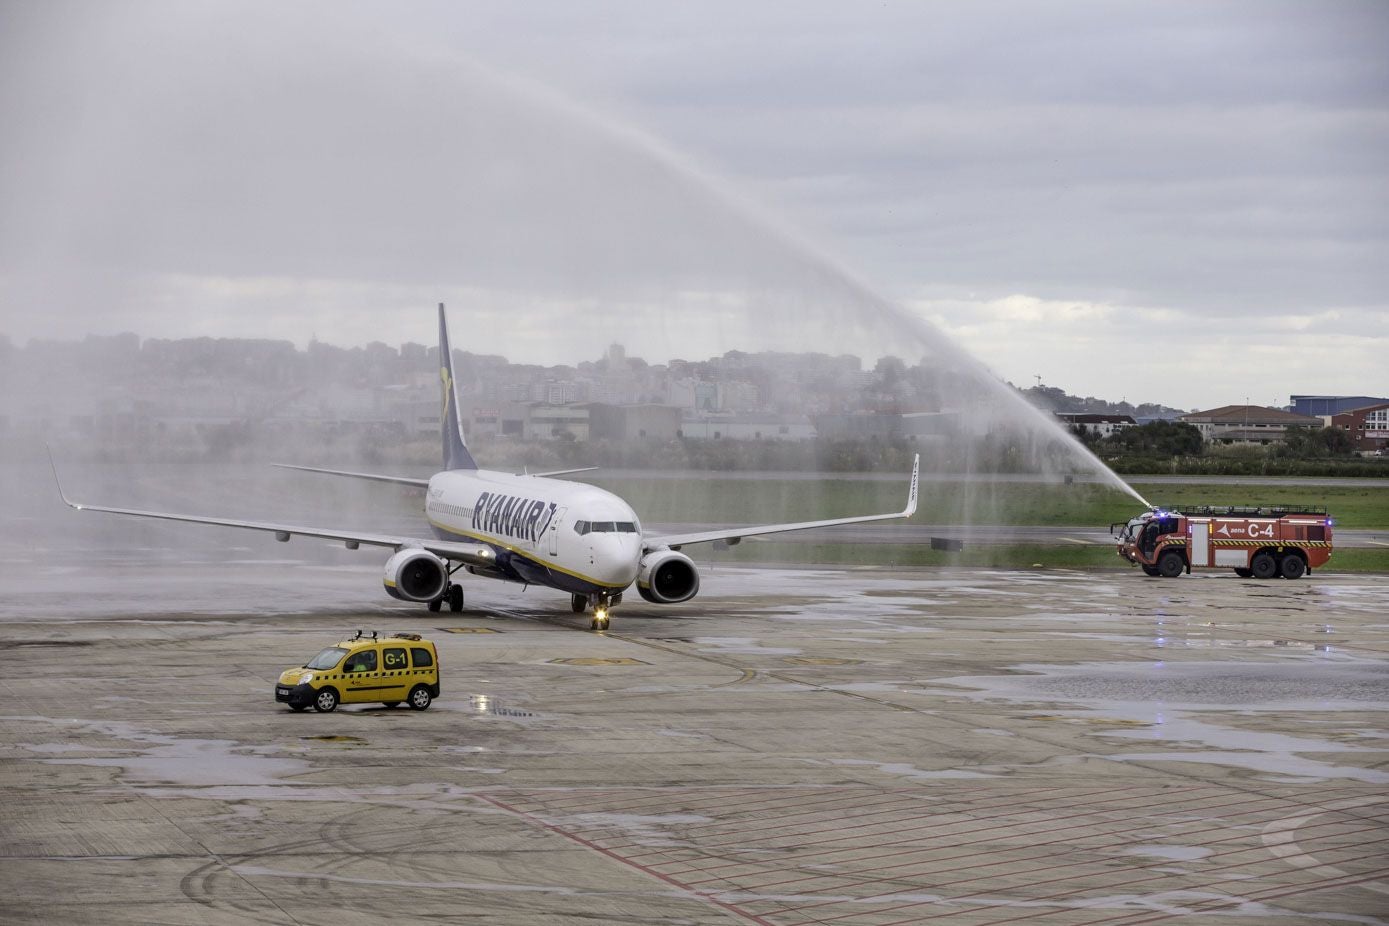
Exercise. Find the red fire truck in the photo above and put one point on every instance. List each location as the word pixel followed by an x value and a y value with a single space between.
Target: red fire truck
pixel 1263 541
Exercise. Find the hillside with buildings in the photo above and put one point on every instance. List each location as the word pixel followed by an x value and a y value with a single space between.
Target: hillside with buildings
pixel 217 398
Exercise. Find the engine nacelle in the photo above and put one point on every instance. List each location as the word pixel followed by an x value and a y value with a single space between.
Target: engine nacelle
pixel 415 575
pixel 667 577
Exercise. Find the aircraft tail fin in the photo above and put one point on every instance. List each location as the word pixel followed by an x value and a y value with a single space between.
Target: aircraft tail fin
pixel 456 455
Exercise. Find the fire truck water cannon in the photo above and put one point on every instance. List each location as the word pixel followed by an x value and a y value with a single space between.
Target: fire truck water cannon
pixel 1259 541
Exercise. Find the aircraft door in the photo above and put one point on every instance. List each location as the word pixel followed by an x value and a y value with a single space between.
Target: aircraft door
pixel 553 531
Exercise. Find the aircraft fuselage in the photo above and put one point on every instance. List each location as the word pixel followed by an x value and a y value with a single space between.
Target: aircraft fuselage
pixel 564 535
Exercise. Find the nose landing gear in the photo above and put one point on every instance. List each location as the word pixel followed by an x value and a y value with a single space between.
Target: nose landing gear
pixel 601 605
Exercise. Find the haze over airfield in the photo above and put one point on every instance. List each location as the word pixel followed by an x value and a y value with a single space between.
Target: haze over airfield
pixel 1175 202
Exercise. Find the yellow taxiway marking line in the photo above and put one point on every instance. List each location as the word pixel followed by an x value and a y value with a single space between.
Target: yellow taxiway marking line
pixel 1378 543
pixel 1084 543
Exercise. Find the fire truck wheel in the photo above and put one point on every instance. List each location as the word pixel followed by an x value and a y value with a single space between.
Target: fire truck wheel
pixel 1243 573
pixel 1150 570
pixel 1263 566
pixel 1171 565
pixel 1292 566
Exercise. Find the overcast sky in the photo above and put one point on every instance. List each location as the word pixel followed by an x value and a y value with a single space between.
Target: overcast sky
pixel 1175 202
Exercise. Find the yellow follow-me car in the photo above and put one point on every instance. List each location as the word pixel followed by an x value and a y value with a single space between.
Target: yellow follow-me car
pixel 365 670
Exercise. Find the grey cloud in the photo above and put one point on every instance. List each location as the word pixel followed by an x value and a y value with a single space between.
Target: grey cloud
pixel 1219 159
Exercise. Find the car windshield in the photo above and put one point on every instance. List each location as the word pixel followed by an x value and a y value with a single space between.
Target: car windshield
pixel 326 659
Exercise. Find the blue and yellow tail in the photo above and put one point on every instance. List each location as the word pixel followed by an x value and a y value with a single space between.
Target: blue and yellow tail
pixel 456 455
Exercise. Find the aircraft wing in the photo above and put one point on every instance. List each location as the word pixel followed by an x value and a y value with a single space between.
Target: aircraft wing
pixel 407 480
pixel 473 554
pixel 374 477
pixel 561 472
pixel 735 534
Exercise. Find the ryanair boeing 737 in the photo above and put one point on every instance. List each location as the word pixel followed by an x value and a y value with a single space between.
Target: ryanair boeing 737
pixel 531 529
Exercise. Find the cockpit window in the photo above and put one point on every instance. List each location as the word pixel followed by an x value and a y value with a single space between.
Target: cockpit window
pixel 606 527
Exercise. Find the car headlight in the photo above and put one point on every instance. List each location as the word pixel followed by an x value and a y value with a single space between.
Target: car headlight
pixel 305 678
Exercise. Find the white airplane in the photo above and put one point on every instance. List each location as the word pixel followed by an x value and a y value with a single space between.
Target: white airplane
pixel 526 528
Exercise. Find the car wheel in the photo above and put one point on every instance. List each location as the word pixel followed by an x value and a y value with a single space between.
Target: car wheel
pixel 420 698
pixel 391 703
pixel 1292 566
pixel 298 707
pixel 1263 566
pixel 325 701
pixel 1171 565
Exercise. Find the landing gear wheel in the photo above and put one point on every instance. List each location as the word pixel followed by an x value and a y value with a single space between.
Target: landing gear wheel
pixel 435 605
pixel 326 701
pixel 420 698
pixel 577 603
pixel 1243 573
pixel 1171 565
pixel 598 623
pixel 1263 566
pixel 455 597
pixel 1292 566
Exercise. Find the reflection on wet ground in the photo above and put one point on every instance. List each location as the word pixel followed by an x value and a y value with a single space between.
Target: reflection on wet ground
pixel 795 746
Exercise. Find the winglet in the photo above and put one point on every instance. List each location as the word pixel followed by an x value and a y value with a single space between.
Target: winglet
pixel 61 494
pixel 911 497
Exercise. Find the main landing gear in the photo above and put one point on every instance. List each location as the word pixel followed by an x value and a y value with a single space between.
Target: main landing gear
pixel 453 595
pixel 601 605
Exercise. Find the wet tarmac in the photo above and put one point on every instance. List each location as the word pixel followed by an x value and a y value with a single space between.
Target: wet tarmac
pixel 794 746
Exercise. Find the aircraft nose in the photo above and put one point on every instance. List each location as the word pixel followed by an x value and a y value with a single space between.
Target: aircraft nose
pixel 616 562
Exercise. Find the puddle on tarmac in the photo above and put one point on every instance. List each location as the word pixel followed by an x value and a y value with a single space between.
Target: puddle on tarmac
pixel 1178 705
pixel 486 704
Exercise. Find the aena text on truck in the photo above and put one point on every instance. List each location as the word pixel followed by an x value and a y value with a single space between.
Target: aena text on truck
pixel 1262 541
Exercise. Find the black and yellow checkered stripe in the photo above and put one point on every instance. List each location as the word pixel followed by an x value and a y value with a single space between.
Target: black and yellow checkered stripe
pixel 1174 542
pixel 350 675
pixel 1265 542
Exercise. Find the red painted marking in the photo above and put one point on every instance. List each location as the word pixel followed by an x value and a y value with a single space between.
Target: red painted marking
pixel 536 821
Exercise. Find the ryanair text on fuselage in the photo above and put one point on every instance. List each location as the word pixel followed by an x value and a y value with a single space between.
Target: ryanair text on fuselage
pixel 522 518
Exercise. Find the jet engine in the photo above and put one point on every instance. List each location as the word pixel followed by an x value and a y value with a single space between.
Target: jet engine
pixel 666 577
pixel 415 575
